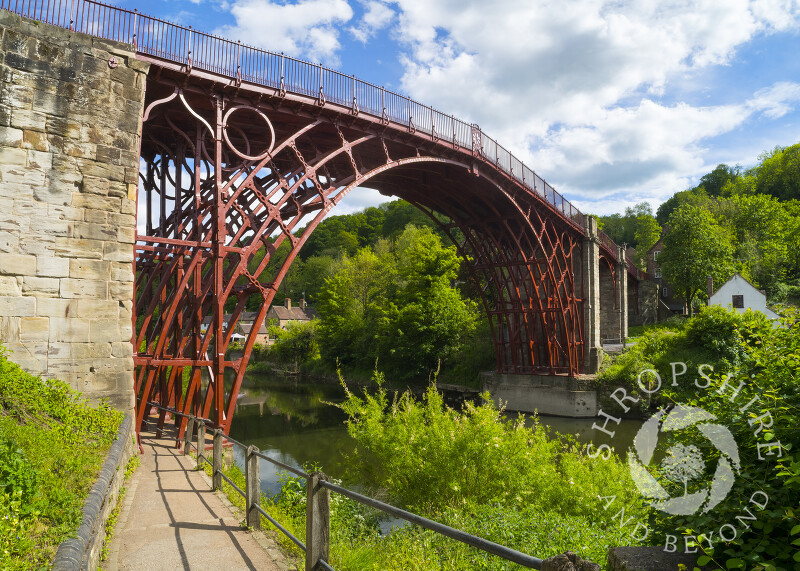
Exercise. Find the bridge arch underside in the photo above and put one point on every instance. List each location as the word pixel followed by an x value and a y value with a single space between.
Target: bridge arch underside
pixel 227 177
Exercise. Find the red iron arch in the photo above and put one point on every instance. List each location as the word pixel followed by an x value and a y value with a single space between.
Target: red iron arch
pixel 224 177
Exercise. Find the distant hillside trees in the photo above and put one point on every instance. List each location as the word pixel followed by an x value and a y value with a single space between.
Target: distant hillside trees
pixel 758 211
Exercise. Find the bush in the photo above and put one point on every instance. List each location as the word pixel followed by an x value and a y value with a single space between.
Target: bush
pixel 433 459
pixel 768 361
pixel 716 336
pixel 296 344
pixel 747 349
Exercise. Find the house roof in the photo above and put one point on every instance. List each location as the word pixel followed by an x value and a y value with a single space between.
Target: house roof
pixel 248 316
pixel 245 328
pixel 294 314
pixel 734 276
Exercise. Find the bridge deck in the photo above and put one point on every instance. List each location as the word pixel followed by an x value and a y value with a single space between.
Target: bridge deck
pixel 172 520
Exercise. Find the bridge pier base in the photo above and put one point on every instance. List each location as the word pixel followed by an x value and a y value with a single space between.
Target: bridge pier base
pixel 556 395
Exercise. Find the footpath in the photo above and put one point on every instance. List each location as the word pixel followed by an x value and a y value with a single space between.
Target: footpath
pixel 170 519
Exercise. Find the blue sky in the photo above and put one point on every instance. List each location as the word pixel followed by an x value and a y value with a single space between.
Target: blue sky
pixel 612 101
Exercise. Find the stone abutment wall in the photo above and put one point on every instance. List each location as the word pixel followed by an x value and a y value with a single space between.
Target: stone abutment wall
pixel 70 125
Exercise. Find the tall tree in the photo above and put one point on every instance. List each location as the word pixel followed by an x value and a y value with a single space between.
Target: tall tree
pixel 694 196
pixel 352 306
pixel 695 247
pixel 760 226
pixel 648 232
pixel 715 181
pixel 636 223
pixel 779 173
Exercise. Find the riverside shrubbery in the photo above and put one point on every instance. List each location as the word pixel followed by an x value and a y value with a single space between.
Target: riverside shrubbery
pixel 472 470
pixel 751 388
pixel 52 445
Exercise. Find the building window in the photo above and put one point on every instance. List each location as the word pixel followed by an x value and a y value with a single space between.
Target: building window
pixel 655 255
pixel 665 291
pixel 738 301
pixel 658 272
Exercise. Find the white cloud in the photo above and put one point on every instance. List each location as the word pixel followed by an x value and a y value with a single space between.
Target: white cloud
pixel 775 101
pixel 590 93
pixel 377 16
pixel 306 29
pixel 586 87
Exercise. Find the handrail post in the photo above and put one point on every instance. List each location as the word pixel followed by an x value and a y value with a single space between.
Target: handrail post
pixel 187 436
pixel 201 444
pixel 252 490
pixel 216 476
pixel 317 520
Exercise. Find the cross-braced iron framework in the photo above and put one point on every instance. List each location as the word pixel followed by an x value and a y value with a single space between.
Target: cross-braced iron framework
pixel 244 143
pixel 225 181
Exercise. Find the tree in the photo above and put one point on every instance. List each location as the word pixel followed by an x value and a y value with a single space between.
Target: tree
pixel 761 227
pixel 636 223
pixel 399 214
pixel 647 234
pixel 352 307
pixel 779 173
pixel 432 318
pixel 694 248
pixel 296 344
pixel 694 196
pixel 396 303
pixel 714 182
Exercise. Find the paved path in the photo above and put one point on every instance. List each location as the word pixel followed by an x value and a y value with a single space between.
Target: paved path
pixel 171 520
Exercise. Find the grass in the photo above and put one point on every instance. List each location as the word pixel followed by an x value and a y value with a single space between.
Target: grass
pixel 111 522
pixel 52 446
pixel 542 527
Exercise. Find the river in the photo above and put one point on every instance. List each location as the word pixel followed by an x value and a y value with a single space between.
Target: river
pixel 293 420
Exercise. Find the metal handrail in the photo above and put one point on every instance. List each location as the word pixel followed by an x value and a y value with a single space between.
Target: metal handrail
pixel 251 451
pixel 242 63
pixel 478 542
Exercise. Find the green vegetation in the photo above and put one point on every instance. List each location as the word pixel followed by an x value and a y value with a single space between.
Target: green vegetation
pixel 396 302
pixel 637 228
pixel 694 249
pixel 111 522
pixel 52 445
pixel 472 470
pixel 762 362
pixel 735 220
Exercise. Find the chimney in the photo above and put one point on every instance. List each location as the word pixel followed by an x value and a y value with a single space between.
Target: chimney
pixel 302 303
pixel 288 303
pixel 710 287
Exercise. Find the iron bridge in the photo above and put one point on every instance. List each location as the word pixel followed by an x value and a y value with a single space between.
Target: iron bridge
pixel 243 149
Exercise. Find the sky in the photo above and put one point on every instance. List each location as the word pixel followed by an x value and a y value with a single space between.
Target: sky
pixel 613 102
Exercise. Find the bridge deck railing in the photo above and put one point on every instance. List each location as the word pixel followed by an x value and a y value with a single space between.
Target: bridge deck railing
pixel 317 503
pixel 238 62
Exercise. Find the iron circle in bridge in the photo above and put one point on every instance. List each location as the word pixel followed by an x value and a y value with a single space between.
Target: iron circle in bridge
pixel 228 141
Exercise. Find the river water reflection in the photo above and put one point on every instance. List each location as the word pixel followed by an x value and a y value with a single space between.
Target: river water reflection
pixel 293 420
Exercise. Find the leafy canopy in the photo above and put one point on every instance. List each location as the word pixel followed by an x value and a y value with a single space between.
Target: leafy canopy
pixel 694 248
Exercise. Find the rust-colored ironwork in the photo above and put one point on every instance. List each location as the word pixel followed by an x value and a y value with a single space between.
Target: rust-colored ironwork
pixel 244 150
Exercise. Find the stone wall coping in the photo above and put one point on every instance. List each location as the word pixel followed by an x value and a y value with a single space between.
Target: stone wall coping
pixel 83 551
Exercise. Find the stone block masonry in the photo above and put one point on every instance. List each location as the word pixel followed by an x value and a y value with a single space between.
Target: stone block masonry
pixel 70 126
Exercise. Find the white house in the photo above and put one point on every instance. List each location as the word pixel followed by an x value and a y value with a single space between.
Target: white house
pixel 741 295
